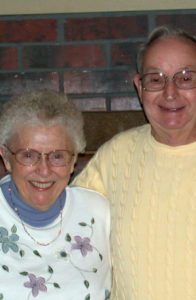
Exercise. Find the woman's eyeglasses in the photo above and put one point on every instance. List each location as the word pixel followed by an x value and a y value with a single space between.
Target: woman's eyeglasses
pixel 30 157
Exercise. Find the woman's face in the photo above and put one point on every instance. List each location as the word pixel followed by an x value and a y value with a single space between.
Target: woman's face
pixel 41 184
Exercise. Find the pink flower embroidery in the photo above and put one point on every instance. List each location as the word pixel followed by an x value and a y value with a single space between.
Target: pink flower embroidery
pixel 36 284
pixel 82 244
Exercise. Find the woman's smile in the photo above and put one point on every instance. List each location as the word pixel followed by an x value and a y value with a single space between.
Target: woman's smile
pixel 42 186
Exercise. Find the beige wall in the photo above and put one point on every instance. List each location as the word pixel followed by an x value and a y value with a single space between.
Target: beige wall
pixel 10 7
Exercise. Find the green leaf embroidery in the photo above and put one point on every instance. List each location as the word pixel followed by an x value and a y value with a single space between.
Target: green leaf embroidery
pixel 68 237
pixel 94 270
pixel 50 270
pixel 24 273
pixel 22 253
pixel 82 224
pixel 87 297
pixel 86 283
pixel 1 296
pixel 56 285
pixel 36 253
pixel 14 229
pixel 92 221
pixel 5 268
pixel 101 257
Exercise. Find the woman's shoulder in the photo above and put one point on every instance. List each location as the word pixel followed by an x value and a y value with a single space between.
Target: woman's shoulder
pixel 87 195
pixel 88 202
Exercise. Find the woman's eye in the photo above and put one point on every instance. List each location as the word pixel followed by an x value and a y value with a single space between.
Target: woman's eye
pixel 27 154
pixel 57 156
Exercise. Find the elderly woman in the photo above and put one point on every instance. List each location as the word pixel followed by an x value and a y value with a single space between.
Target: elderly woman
pixel 54 239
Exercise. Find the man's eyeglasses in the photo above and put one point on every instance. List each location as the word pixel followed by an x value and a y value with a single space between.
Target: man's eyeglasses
pixel 30 157
pixel 154 82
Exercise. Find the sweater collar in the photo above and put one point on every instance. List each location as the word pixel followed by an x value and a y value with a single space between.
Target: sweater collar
pixel 28 214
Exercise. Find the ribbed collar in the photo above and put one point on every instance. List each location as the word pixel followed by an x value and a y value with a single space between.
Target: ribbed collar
pixel 28 214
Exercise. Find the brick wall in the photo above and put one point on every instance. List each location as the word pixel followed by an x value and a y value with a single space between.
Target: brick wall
pixel 90 56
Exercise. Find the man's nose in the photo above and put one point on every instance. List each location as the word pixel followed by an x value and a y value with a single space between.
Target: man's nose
pixel 170 90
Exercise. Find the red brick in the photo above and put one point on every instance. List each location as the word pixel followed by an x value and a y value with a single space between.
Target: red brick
pixel 11 84
pixel 75 56
pixel 8 58
pixel 125 103
pixel 98 82
pixel 185 21
pixel 124 54
pixel 81 29
pixel 90 104
pixel 28 31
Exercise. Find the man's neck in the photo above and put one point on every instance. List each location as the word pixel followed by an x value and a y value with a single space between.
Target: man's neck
pixel 174 137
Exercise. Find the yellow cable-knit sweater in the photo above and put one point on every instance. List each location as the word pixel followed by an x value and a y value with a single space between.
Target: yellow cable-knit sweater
pixel 152 190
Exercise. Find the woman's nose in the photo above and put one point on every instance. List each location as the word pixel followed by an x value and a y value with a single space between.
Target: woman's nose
pixel 43 166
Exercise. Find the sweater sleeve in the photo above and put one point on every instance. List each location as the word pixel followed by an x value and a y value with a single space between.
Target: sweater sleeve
pixel 92 175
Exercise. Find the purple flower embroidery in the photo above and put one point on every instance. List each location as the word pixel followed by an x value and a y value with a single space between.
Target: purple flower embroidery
pixel 82 244
pixel 36 284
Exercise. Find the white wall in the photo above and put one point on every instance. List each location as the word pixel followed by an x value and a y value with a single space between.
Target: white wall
pixel 11 7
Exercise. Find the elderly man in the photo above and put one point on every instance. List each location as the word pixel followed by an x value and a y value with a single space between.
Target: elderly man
pixel 149 175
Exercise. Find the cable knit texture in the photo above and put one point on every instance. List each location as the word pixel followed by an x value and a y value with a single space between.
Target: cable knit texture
pixel 152 190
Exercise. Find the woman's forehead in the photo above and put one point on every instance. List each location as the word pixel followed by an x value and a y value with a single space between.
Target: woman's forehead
pixel 40 136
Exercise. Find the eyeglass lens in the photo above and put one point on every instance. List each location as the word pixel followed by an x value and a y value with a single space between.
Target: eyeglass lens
pixel 31 157
pixel 157 81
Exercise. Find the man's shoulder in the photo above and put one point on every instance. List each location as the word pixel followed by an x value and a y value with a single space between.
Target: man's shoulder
pixel 130 134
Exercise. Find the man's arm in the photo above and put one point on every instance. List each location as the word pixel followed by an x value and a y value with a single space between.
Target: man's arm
pixel 92 175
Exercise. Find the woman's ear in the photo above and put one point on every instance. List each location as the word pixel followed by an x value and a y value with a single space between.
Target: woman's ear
pixel 138 84
pixel 5 158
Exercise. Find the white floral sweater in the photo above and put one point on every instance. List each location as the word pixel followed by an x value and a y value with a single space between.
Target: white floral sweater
pixel 74 267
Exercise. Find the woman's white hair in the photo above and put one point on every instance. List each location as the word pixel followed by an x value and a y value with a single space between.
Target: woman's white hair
pixel 42 107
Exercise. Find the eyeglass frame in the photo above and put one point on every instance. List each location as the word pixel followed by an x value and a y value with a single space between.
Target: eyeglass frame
pixel 41 154
pixel 166 78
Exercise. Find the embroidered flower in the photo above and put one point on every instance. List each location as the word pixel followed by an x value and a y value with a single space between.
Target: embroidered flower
pixel 36 284
pixel 82 244
pixel 8 242
pixel 62 254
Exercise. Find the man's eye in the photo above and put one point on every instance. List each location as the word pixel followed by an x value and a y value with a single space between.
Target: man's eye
pixel 187 78
pixel 28 155
pixel 155 79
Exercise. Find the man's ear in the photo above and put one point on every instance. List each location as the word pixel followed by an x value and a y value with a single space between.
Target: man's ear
pixel 5 158
pixel 138 84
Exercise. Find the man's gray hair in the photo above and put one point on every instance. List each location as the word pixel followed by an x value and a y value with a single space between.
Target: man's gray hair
pixel 160 33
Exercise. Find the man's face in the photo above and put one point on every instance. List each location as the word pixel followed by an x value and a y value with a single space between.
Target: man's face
pixel 171 109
